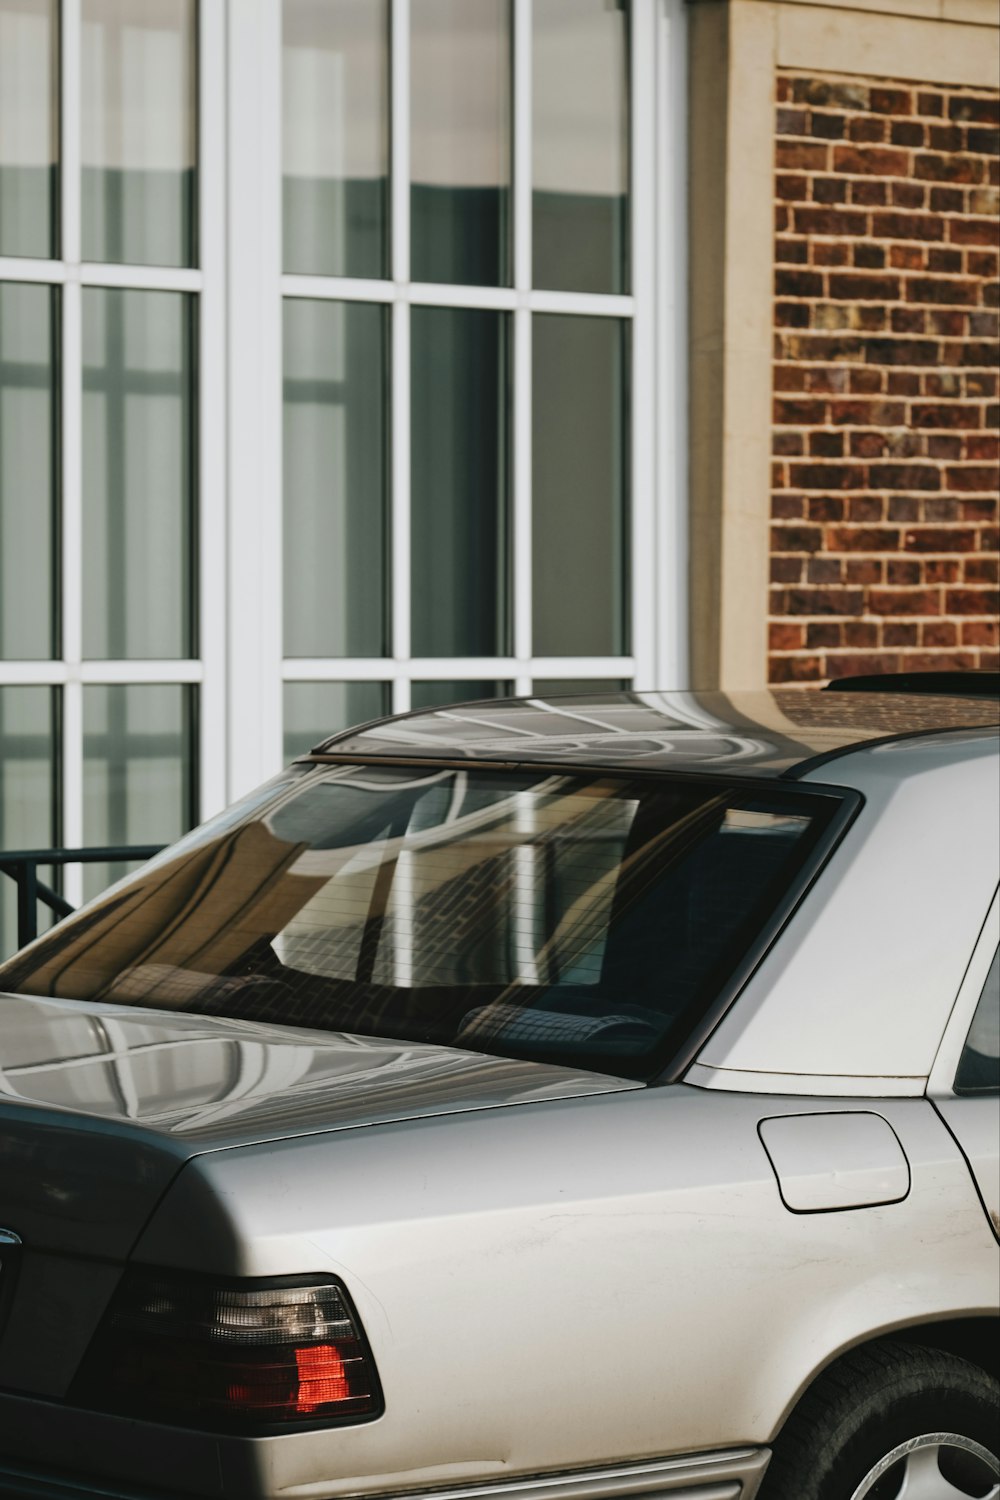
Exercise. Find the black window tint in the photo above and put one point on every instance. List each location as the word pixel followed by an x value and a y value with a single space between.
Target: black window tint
pixel 979 1065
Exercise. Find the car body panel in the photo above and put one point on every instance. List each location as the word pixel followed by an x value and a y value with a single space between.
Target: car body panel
pixel 911 888
pixel 631 1249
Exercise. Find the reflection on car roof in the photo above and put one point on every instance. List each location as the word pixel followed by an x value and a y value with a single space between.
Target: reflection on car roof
pixel 765 733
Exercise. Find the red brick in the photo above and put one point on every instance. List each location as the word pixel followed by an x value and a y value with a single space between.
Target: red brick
pixel 946 138
pixel 796 669
pixel 831 221
pixel 985 447
pixel 905 477
pixel 793 122
pixel 791 315
pixel 860 286
pixel 902 352
pixel 947 200
pixel 866 382
pixel 908 320
pixel 824 633
pixel 889 101
pixel 782 219
pixel 947 261
pixel 942 570
pixel 868 256
pixel 897 226
pixel 787 444
pixel 947 322
pixel 896 634
pixel 828 476
pixel 980 632
pixel 940 539
pixel 796 538
pixel 804 156
pixel 940 510
pixel 804 413
pixel 825 92
pixel 868 444
pixel 978 510
pixel 826 444
pixel 825 601
pixel 866 510
pixel 869 191
pixel 798 284
pixel 973 477
pixel 907 133
pixel 787 507
pixel 907 194
pixel 905 602
pixel 985 201
pixel 903 508
pixel 783 637
pixel 938 633
pixel 978 108
pixel 786 569
pixel 945 661
pixel 987 141
pixel 930 104
pixel 868 413
pixel 828 253
pixel 982 262
pixel 904 573
pixel 875 161
pixel 952 415
pixel 948 168
pixel 826 127
pixel 943 447
pixel 867 128
pixel 972 232
pixel 981 570
pixel 789 188
pixel 830 189
pixel 826 570
pixel 865 570
pixel 972 601
pixel 789 378
pixel 862 539
pixel 791 252
pixel 861 634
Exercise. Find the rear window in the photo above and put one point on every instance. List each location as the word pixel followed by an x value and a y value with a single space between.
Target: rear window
pixel 584 920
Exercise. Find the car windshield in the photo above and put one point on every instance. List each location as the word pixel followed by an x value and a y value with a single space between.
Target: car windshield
pixel 580 919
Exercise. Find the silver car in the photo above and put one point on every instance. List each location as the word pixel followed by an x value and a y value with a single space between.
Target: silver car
pixel 537 1100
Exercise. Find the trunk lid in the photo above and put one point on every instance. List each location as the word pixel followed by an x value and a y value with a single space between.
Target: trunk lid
pixel 100 1105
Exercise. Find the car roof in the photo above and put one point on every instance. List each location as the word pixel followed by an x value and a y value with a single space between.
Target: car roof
pixel 770 733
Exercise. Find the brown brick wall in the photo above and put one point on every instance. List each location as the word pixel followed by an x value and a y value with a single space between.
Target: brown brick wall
pixel 885 439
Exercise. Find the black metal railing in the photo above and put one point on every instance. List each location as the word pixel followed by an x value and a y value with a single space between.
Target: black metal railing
pixel 21 865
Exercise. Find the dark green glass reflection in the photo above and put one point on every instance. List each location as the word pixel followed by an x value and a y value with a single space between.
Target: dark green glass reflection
pixel 29 127
pixel 335 137
pixel 139 138
pixel 579 499
pixel 459 483
pixel 439 694
pixel 580 161
pixel 335 479
pixel 139 769
pixel 29 797
pixel 138 474
pixel 27 472
pixel 316 710
pixel 460 145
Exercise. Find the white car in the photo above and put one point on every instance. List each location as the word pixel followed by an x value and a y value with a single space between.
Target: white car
pixel 538 1100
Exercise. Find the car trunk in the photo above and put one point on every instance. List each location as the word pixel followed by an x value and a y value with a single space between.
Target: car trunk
pixel 101 1106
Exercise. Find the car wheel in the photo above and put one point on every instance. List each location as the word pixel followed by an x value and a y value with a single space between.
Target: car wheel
pixel 891 1422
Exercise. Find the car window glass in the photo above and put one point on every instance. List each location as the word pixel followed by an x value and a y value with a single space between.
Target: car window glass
pixel 979 1065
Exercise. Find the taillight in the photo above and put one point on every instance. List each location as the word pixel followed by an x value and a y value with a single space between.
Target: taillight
pixel 225 1355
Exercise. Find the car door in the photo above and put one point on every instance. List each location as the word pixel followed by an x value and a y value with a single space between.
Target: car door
pixel 965 1082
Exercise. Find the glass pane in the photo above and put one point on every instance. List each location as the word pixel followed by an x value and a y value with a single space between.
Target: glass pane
pixel 555 687
pixel 335 500
pixel 27 472
pixel 580 157
pixel 316 710
pixel 335 140
pixel 979 1065
pixel 139 137
pixel 440 694
pixel 460 148
pixel 138 770
pixel 579 486
pixel 29 127
pixel 28 792
pixel 138 479
pixel 459 500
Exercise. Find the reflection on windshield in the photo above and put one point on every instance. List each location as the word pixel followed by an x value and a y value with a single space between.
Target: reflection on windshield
pixel 579 919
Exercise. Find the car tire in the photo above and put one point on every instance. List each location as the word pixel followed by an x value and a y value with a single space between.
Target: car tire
pixel 881 1409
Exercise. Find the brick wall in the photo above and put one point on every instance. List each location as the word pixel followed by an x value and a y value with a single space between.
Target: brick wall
pixel 884 491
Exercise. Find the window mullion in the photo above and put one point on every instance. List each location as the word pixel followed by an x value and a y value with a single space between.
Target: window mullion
pixel 71 445
pixel 399 365
pixel 521 518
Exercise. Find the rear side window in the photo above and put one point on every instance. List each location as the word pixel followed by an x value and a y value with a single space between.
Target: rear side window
pixel 979 1065
pixel 587 920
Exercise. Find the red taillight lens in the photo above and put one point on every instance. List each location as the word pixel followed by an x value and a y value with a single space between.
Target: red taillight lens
pixel 224 1355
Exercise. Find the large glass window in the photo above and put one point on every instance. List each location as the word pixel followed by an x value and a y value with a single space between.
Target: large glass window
pixel 581 145
pixel 460 483
pixel 335 98
pixel 28 466
pixel 336 533
pixel 316 710
pixel 28 127
pixel 460 152
pixel 139 131
pixel 138 490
